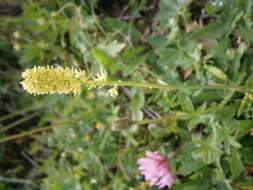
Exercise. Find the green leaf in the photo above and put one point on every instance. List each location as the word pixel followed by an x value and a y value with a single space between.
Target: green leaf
pixel 249 82
pixel 247 144
pixel 208 31
pixel 124 27
pixel 136 105
pixel 245 185
pixel 245 125
pixel 208 150
pixel 188 164
pixel 113 48
pixel 202 182
pixel 185 102
pixel 132 58
pixel 217 72
pixel 104 58
pixel 168 59
pixel 236 165
pixel 246 34
pixel 243 104
pixel 169 9
pixel 247 155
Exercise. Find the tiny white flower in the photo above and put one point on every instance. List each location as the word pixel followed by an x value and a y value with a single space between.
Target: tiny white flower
pixel 93 181
pixel 101 75
pixel 113 92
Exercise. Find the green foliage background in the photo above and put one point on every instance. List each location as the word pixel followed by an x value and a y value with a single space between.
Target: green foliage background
pixel 94 140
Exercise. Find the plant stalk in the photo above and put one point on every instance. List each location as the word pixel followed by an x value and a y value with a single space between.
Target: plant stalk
pixel 167 86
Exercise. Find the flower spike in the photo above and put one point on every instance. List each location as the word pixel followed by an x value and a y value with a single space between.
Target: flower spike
pixel 53 80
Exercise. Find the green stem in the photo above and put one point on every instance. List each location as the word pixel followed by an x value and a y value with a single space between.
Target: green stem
pixel 26 133
pixel 2 118
pixel 14 124
pixel 166 86
pixel 176 117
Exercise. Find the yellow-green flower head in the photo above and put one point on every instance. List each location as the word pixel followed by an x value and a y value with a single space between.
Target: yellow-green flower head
pixel 53 80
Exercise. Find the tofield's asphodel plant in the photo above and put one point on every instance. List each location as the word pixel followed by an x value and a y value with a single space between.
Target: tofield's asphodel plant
pixel 57 80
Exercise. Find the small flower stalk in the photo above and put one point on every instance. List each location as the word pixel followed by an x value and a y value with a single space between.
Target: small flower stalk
pixel 155 169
